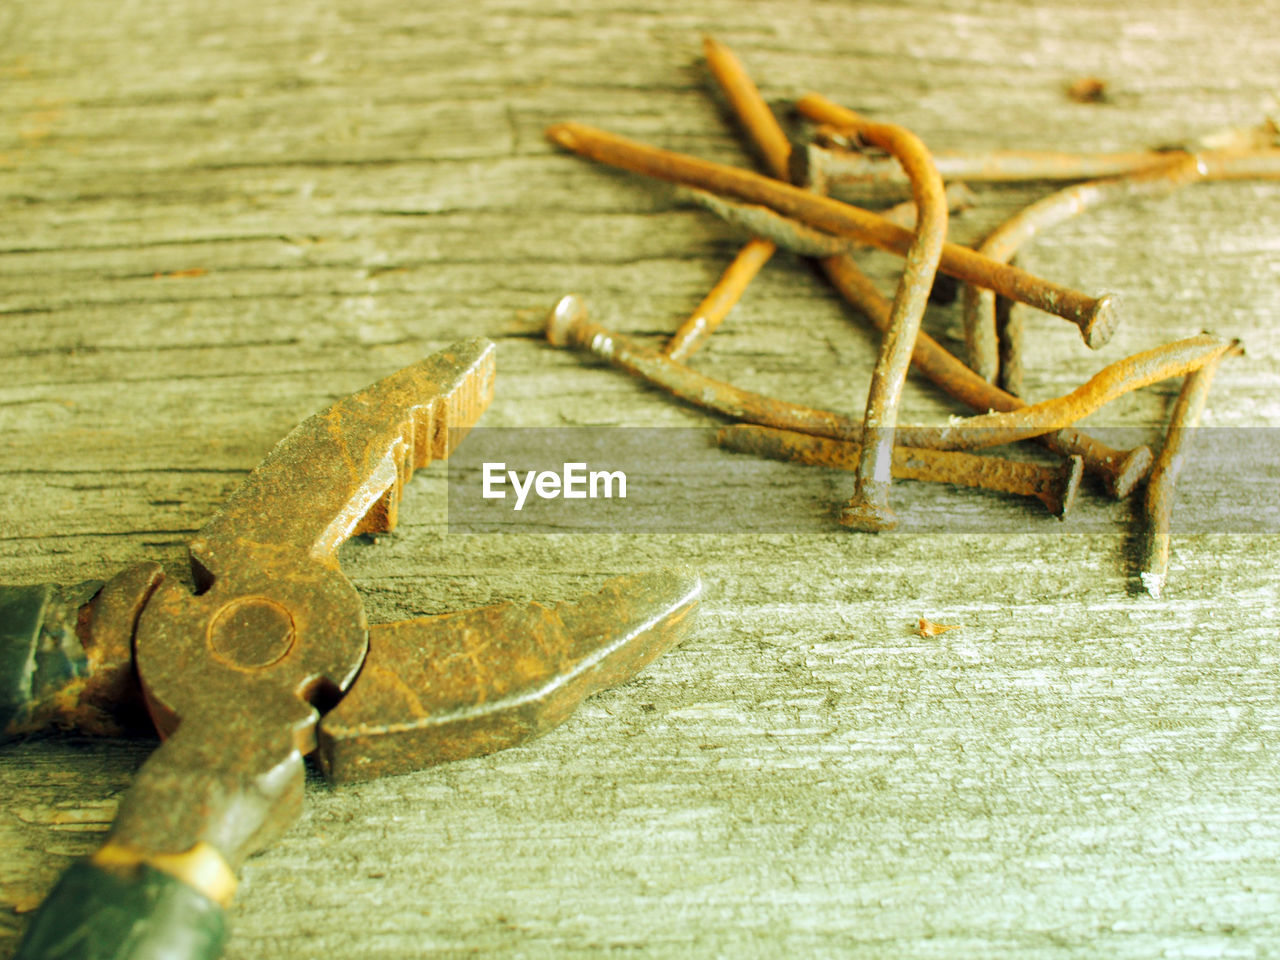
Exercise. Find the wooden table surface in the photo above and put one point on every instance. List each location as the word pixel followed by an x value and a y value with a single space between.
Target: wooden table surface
pixel 218 217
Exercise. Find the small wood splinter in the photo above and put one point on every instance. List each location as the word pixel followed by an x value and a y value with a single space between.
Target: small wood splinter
pixel 927 628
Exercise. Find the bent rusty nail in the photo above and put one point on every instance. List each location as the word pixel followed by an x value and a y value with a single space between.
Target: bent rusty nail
pixel 981 340
pixel 868 508
pixel 1112 381
pixel 1158 503
pixel 715 306
pixel 842 166
pixel 806 241
pixel 766 134
pixel 1055 487
pixel 959 197
pixel 1096 328
pixel 832 216
pixel 569 326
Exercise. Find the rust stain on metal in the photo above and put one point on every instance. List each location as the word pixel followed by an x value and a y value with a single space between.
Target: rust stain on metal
pixel 488 679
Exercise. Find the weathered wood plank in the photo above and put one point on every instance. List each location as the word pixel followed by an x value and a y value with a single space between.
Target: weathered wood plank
pixel 215 219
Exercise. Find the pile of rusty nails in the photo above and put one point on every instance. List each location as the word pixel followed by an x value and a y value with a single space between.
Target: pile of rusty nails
pixel 791 209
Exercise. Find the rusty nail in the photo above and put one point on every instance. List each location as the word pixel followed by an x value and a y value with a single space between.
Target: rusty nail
pixel 717 304
pixel 1003 244
pixel 842 166
pixel 832 216
pixel 806 241
pixel 1055 487
pixel 1112 381
pixel 748 106
pixel 904 214
pixel 1009 334
pixel 569 326
pixel 1158 504
pixel 868 508
pixel 711 312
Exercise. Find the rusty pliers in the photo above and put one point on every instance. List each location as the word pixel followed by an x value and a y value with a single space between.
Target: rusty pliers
pixel 271 658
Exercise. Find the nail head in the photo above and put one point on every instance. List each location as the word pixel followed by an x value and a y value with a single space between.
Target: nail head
pixel 1102 321
pixel 568 313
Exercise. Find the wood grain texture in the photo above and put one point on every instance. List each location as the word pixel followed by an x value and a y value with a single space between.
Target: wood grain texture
pixel 216 218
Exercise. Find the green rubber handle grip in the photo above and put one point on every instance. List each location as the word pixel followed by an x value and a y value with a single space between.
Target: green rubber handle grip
pixel 93 914
pixel 40 654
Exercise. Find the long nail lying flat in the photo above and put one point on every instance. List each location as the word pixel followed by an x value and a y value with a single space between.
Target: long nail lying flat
pixel 569 326
pixel 1007 239
pixel 1055 487
pixel 1095 316
pixel 1158 505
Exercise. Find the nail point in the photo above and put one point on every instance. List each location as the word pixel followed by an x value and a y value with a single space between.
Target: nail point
pixel 562 134
pixel 1153 583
